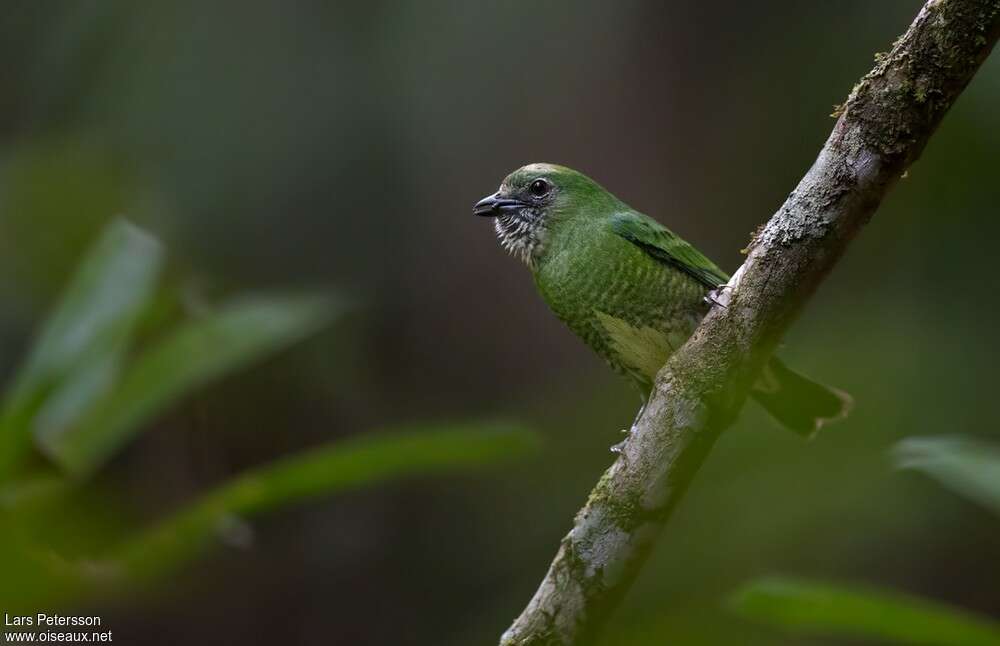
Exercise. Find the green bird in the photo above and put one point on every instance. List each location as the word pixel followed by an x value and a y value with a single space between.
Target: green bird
pixel 628 286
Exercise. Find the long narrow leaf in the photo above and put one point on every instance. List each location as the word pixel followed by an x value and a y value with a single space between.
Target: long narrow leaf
pixel 74 358
pixel 190 357
pixel 336 467
pixel 820 608
pixel 969 467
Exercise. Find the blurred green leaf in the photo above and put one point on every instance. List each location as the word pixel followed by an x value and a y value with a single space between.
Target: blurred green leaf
pixel 48 529
pixel 187 359
pixel 339 466
pixel 106 294
pixel 37 486
pixel 967 466
pixel 821 608
pixel 77 353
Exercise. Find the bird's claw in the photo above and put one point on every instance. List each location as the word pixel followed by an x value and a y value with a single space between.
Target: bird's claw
pixel 717 296
pixel 617 448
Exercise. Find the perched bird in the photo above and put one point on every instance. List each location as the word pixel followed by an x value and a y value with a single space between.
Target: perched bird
pixel 628 286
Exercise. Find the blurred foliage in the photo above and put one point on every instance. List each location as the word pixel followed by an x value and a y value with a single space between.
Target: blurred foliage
pixel 968 466
pixel 825 608
pixel 432 448
pixel 82 393
pixel 79 350
pixel 187 358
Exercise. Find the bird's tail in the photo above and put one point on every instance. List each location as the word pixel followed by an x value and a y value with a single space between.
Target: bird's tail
pixel 798 402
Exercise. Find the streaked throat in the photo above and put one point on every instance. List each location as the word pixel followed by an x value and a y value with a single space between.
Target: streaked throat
pixel 522 234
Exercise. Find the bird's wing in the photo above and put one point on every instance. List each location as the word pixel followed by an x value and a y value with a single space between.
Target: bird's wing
pixel 665 246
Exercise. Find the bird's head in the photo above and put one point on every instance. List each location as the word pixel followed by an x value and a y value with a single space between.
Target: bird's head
pixel 535 201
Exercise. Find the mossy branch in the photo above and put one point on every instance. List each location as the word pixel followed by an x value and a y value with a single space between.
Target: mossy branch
pixel 880 131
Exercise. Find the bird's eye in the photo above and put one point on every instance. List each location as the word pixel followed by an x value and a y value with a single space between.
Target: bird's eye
pixel 539 187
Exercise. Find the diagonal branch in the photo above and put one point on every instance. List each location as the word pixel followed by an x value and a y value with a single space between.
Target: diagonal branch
pixel 881 130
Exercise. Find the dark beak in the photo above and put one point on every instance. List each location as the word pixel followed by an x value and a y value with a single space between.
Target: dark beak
pixel 495 205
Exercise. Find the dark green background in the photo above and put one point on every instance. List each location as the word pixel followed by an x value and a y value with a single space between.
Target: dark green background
pixel 341 146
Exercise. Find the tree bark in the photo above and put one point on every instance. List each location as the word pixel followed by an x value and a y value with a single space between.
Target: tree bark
pixel 881 129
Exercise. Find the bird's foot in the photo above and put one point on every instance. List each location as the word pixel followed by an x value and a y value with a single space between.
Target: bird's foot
pixel 718 296
pixel 617 448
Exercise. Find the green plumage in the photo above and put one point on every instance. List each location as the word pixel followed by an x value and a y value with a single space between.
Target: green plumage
pixel 628 286
pixel 630 307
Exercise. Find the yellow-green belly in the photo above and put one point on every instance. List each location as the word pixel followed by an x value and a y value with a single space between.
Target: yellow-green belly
pixel 631 309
